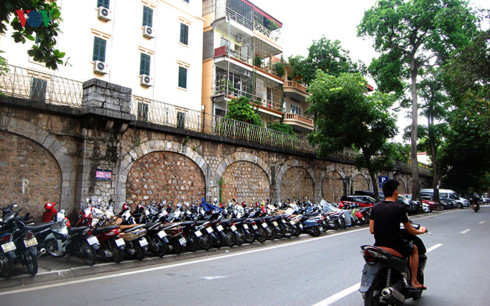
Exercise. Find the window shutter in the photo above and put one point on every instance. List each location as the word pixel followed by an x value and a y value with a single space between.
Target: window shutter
pixel 182 77
pixel 145 60
pixel 99 49
pixel 104 3
pixel 184 33
pixel 147 16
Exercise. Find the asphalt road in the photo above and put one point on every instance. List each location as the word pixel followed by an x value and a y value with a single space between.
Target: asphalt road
pixel 324 270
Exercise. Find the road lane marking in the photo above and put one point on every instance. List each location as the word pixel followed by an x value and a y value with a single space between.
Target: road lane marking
pixel 481 222
pixel 339 295
pixel 465 231
pixel 219 257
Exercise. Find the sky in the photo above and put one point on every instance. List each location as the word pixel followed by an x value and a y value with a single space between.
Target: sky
pixel 307 20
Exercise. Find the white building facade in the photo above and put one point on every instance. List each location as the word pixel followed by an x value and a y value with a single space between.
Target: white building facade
pixel 153 47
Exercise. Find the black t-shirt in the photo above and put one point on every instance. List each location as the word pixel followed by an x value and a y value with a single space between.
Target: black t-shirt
pixel 387 217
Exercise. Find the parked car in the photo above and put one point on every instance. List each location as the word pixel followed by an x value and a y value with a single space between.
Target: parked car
pixel 448 203
pixel 356 200
pixel 485 199
pixel 412 207
pixel 448 194
pixel 370 193
pixel 429 201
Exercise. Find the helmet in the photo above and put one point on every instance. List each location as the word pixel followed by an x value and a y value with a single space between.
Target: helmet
pixel 125 206
pixel 49 205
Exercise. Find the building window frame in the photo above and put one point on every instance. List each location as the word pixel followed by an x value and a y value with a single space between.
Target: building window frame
pixel 145 63
pixel 147 16
pixel 184 33
pixel 182 77
pixel 99 52
pixel 103 3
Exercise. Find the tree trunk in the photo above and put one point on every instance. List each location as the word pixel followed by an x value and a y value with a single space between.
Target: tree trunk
pixel 433 149
pixel 413 157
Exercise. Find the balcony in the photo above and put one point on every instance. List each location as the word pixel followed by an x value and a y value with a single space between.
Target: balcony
pixel 295 87
pixel 298 120
pixel 223 51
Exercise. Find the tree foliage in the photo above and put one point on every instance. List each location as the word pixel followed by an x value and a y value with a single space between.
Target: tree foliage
pixel 45 50
pixel 325 55
pixel 412 35
pixel 240 109
pixel 345 116
pixel 282 127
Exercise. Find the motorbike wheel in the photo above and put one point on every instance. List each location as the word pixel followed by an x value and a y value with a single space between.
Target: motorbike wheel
pixel 6 266
pixel 228 239
pixel 295 230
pixel 53 248
pixel 140 251
pixel 373 295
pixel 87 254
pixel 271 232
pixel 30 262
pixel 155 246
pixel 314 231
pixel 239 237
pixel 205 242
pixel 191 244
pixel 280 231
pixel 249 236
pixel 261 235
pixel 175 246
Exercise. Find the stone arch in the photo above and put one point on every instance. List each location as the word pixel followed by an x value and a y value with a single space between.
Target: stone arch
pixel 294 163
pixel 333 185
pixel 55 148
pixel 151 146
pixel 257 176
pixel 360 182
pixel 402 187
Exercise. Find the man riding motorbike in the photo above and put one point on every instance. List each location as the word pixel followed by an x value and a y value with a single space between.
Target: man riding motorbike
pixel 386 217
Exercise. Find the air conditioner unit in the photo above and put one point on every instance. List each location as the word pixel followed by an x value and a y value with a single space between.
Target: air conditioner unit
pixel 148 32
pixel 146 80
pixel 101 67
pixel 104 13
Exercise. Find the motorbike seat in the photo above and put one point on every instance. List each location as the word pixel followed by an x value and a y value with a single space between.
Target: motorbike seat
pixel 100 230
pixel 39 227
pixel 391 251
pixel 76 230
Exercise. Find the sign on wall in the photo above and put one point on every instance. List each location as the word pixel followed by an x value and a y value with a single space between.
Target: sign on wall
pixel 103 175
pixel 381 180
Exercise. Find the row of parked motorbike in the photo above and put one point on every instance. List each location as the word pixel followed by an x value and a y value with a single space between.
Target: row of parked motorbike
pixel 158 229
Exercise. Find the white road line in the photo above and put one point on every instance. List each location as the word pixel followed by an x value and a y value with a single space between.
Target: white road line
pixel 78 281
pixel 339 295
pixel 481 222
pixel 465 231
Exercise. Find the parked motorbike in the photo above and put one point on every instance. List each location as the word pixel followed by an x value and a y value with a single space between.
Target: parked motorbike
pixel 386 275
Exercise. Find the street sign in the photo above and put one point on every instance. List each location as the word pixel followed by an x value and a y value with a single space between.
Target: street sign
pixel 381 180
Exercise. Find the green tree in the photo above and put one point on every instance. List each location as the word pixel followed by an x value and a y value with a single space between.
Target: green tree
pixel 240 109
pixel 345 116
pixel 325 55
pixel 411 35
pixel 45 50
pixel 282 127
pixel 399 152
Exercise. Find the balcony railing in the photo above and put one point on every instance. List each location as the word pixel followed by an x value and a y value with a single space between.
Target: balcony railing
pixel 221 89
pixel 296 85
pixel 38 86
pixel 223 51
pixel 246 22
pixel 298 118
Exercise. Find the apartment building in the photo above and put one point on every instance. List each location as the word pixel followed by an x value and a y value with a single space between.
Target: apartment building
pixel 153 47
pixel 240 46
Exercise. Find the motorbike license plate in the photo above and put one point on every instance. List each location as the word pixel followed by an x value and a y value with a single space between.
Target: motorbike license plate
pixel 92 240
pixel 255 227
pixel 264 225
pixel 209 230
pixel 300 226
pixel 120 242
pixel 182 241
pixel 143 242
pixel 198 233
pixel 275 223
pixel 219 228
pixel 293 222
pixel 30 242
pixel 162 234
pixel 233 228
pixel 7 247
pixel 245 226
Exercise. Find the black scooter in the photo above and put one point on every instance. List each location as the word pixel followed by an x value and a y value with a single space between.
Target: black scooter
pixel 386 277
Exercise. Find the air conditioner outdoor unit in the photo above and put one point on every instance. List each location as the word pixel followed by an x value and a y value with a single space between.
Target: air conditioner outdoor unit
pixel 104 13
pixel 146 80
pixel 148 32
pixel 101 67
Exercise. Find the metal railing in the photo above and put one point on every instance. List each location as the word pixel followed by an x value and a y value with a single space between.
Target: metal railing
pixel 42 87
pixel 221 89
pixel 300 118
pixel 246 22
pixel 293 84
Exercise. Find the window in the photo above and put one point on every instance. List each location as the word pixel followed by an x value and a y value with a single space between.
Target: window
pixel 142 111
pixel 104 3
pixel 180 120
pixel 99 49
pixel 38 89
pixel 186 1
pixel 295 109
pixel 147 16
pixel 184 33
pixel 182 77
pixel 145 64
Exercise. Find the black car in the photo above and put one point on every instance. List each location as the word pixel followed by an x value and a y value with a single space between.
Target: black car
pixel 370 193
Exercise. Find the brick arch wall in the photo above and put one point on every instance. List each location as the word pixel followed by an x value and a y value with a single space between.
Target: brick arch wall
pixel 297 184
pixel 63 160
pixel 165 176
pixel 360 182
pixel 333 186
pixel 402 187
pixel 245 181
pixel 145 148
pixel 283 193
